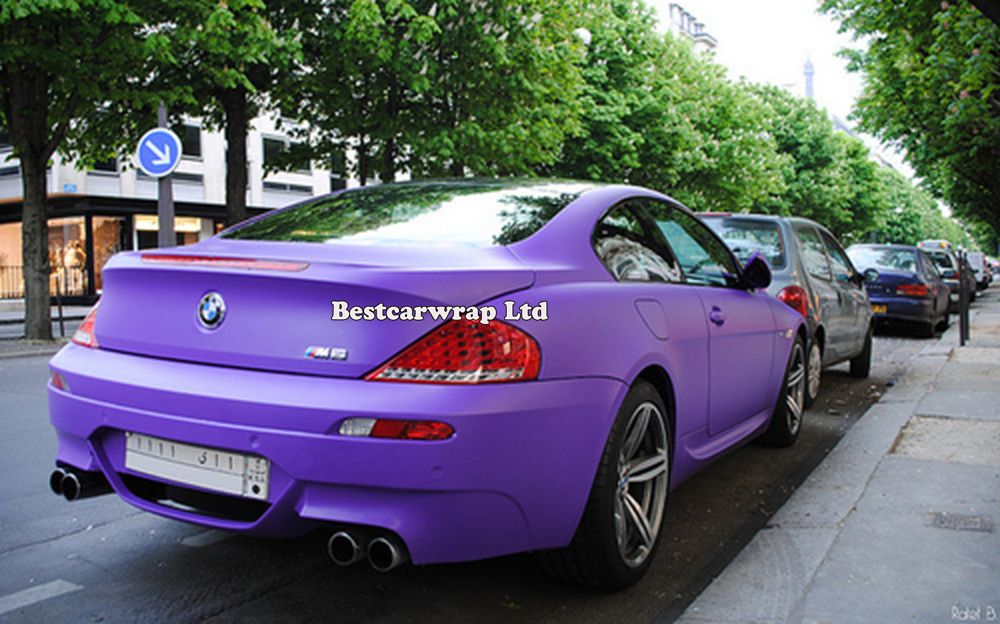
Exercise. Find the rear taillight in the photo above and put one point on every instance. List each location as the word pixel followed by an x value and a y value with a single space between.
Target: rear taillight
pixel 795 297
pixel 396 429
pixel 465 352
pixel 85 332
pixel 912 290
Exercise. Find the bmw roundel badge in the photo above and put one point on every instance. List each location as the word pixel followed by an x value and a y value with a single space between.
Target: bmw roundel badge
pixel 211 310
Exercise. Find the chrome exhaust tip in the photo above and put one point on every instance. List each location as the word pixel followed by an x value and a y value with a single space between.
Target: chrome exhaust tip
pixel 55 481
pixel 386 553
pixel 344 549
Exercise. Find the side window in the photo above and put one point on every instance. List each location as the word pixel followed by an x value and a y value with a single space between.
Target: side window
pixel 930 269
pixel 839 262
pixel 813 253
pixel 626 248
pixel 704 258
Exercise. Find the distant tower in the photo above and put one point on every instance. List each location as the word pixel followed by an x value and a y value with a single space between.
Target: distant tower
pixel 809 71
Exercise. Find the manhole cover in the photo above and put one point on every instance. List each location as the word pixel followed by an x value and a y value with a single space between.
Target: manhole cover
pixel 959 522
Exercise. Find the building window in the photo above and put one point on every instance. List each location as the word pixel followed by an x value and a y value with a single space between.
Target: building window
pixel 190 136
pixel 106 166
pixel 283 187
pixel 338 172
pixel 273 149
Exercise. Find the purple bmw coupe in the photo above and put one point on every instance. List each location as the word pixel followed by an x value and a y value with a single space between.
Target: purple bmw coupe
pixel 436 371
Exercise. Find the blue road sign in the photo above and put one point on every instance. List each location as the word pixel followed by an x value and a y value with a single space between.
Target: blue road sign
pixel 159 152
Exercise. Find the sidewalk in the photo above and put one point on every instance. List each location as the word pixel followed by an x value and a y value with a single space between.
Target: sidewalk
pixel 899 523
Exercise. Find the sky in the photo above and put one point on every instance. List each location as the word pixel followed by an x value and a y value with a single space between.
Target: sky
pixel 769 41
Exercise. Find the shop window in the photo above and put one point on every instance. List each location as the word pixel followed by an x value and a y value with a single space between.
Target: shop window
pixel 68 256
pixel 110 237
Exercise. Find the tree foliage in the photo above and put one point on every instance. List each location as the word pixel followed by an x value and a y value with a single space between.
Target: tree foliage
pixel 931 73
pixel 437 86
pixel 657 113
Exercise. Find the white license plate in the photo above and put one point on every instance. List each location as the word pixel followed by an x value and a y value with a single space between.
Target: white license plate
pixel 212 469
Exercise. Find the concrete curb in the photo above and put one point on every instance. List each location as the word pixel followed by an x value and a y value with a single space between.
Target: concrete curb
pixel 767 581
pixel 21 349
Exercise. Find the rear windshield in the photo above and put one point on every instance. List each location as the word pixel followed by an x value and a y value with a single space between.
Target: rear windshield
pixel 884 258
pixel 942 259
pixel 474 212
pixel 747 236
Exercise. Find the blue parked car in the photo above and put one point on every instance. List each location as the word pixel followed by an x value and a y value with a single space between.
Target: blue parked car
pixel 903 284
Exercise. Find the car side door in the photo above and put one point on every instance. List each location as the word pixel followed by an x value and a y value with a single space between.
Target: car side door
pixel 854 303
pixel 740 322
pixel 670 320
pixel 824 297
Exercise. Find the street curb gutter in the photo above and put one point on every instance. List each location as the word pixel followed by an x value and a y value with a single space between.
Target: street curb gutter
pixel 770 576
pixel 29 350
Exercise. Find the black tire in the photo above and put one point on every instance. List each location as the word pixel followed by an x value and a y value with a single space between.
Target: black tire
pixel 926 330
pixel 785 422
pixel 812 392
pixel 944 323
pixel 594 557
pixel 861 364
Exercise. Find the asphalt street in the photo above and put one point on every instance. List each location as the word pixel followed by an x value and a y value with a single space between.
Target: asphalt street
pixel 100 560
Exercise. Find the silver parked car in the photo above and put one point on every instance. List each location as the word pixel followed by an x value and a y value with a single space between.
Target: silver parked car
pixel 811 273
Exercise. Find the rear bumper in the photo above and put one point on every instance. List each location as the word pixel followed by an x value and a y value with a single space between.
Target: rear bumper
pixel 515 476
pixel 904 308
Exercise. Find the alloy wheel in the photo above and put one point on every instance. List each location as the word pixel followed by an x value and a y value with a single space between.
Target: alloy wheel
pixel 815 370
pixel 643 478
pixel 795 389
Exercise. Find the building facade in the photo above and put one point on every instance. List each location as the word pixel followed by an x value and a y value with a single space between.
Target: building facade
pixel 682 23
pixel 95 213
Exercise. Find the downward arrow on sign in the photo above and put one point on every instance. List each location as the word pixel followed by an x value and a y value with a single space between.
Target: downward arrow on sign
pixel 162 156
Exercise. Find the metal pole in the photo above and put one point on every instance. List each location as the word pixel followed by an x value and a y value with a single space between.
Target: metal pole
pixel 165 199
pixel 963 301
pixel 59 290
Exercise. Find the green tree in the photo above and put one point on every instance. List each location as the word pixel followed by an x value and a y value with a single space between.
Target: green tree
pixel 442 86
pixel 67 67
pixel 931 87
pixel 656 113
pixel 226 54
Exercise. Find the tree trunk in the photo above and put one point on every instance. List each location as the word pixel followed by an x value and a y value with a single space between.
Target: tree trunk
pixel 234 105
pixel 26 106
pixel 35 249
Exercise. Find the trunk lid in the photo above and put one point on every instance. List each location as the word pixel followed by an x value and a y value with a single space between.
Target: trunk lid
pixel 276 311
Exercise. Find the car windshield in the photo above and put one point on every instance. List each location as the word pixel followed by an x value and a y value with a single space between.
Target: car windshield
pixel 884 258
pixel 747 236
pixel 474 212
pixel 942 259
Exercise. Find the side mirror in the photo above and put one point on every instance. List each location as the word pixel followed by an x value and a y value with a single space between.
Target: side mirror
pixel 871 276
pixel 857 279
pixel 756 272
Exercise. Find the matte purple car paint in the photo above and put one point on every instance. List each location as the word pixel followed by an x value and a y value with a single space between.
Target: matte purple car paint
pixel 518 471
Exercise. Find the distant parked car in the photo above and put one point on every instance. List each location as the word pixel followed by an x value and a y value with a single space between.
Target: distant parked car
pixel 904 285
pixel 946 261
pixel 812 273
pixel 979 267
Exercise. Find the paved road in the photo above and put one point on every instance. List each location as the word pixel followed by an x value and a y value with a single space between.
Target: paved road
pixel 100 560
pixel 16 330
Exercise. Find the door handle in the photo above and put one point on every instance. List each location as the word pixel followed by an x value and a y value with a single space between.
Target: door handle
pixel 717 316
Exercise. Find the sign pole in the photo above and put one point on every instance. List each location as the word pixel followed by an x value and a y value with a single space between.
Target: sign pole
pixel 165 198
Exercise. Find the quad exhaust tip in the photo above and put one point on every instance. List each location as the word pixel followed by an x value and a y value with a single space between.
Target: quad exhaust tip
pixel 344 549
pixel 386 553
pixel 74 485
